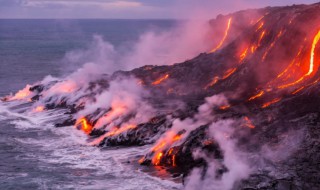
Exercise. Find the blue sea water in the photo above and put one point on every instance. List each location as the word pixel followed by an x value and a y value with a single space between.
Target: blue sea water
pixel 34 154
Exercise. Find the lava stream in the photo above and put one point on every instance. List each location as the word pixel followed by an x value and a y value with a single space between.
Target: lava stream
pixel 256 96
pixel 312 68
pixel 160 80
pixel 224 37
pixel 85 126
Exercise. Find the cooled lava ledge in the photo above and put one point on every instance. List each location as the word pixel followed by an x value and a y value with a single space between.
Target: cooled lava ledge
pixel 266 65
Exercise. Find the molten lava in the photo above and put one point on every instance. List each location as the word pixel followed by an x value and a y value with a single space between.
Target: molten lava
pixel 260 26
pixel 261 37
pixel 229 73
pixel 160 80
pixel 265 105
pixel 224 37
pixel 22 94
pixel 212 83
pixel 290 65
pixel 312 67
pixel 157 159
pixel 163 145
pixel 314 44
pixel 224 107
pixel 298 90
pixel 256 96
pixel 85 126
pixel 244 54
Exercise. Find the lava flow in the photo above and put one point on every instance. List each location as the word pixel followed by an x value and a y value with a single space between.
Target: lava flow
pixel 244 54
pixel 265 105
pixel 312 67
pixel 256 96
pixel 228 73
pixel 160 80
pixel 85 125
pixel 162 145
pixel 224 37
pixel 22 94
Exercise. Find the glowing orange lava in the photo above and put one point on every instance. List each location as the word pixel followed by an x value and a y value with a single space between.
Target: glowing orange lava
pixel 256 96
pixel 312 68
pixel 229 73
pixel 261 37
pixel 160 80
pixel 225 107
pixel 253 48
pixel 243 54
pixel 224 37
pixel 157 159
pixel 163 144
pixel 174 161
pixel 291 64
pixel 22 94
pixel 298 90
pixel 85 126
pixel 260 26
pixel 271 102
pixel 212 83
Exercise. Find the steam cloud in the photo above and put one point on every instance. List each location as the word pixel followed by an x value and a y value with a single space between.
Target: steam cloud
pixel 184 41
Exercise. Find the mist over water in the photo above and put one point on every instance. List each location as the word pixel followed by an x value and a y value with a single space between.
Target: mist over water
pixel 35 154
pixel 33 49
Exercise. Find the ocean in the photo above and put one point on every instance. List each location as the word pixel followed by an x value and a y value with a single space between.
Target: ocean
pixel 33 153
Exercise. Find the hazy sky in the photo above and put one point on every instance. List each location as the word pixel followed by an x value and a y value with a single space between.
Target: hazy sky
pixel 130 8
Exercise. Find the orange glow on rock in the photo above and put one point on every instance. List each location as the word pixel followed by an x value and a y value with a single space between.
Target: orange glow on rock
pixel 249 123
pixel 260 26
pixel 157 159
pixel 22 94
pixel 212 83
pixel 261 37
pixel 256 96
pixel 160 80
pixel 243 54
pixel 312 67
pixel 85 126
pixel 39 109
pixel 298 90
pixel 224 37
pixel 174 161
pixel 229 73
pixel 164 144
pixel 225 107
pixel 265 105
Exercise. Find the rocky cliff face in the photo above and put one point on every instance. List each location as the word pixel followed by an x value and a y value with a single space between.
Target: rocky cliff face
pixel 261 79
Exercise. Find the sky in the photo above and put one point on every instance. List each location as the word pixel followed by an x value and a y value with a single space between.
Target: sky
pixel 131 9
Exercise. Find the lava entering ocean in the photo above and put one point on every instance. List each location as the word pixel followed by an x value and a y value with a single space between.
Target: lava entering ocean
pixel 242 104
